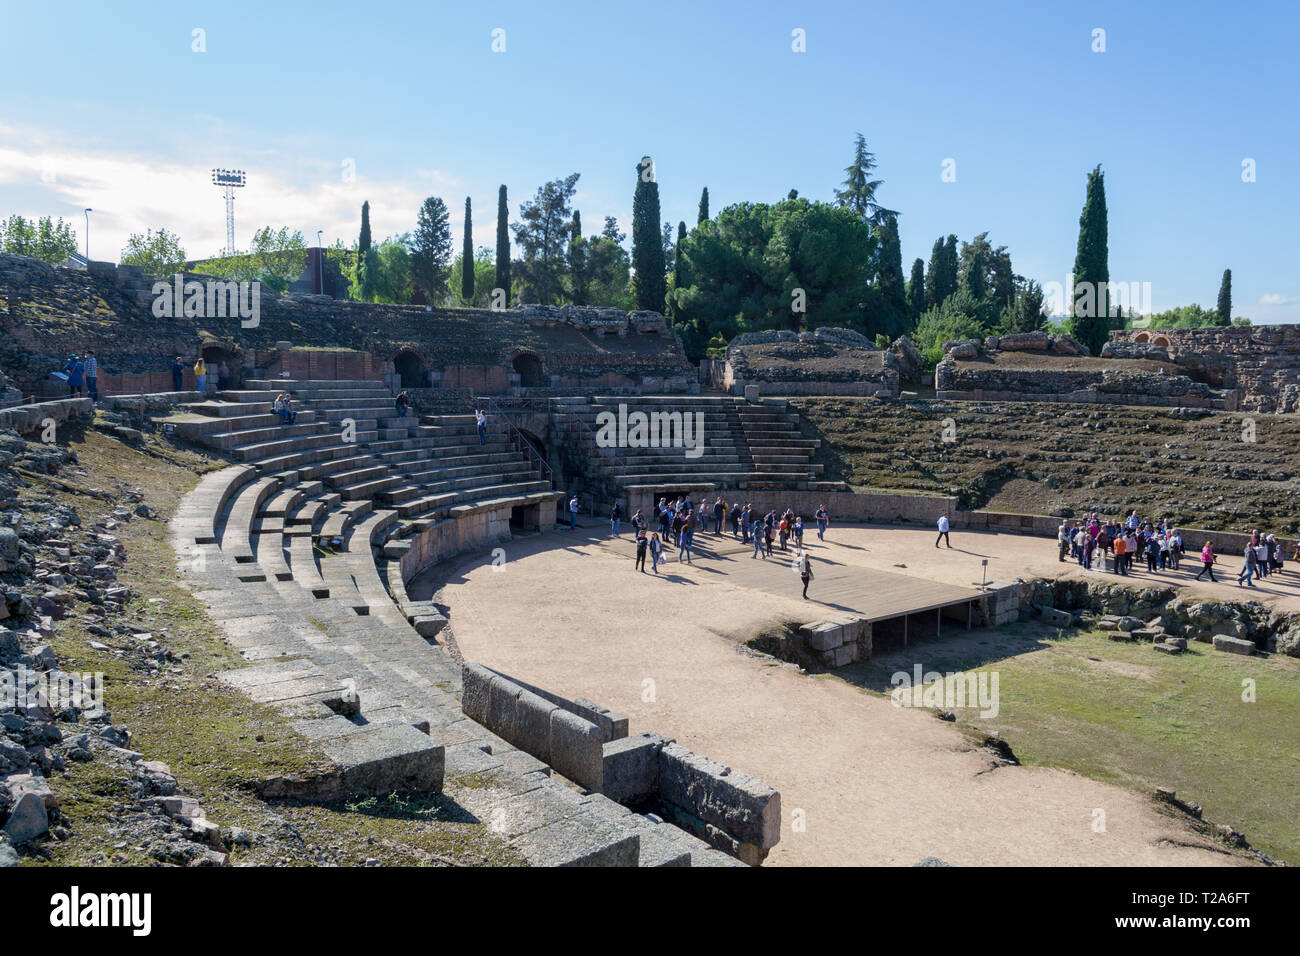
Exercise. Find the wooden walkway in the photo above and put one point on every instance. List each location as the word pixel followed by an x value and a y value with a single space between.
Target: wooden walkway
pixel 845 589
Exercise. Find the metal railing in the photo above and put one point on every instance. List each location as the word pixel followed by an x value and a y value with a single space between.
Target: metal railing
pixel 521 443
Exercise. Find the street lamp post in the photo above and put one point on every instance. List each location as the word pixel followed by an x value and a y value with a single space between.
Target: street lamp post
pixel 88 212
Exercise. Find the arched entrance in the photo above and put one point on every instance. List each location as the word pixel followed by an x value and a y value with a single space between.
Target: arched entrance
pixel 214 355
pixel 1141 337
pixel 410 368
pixel 529 367
pixel 1160 340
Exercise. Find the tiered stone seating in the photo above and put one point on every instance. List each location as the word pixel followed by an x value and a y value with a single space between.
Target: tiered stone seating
pixel 328 644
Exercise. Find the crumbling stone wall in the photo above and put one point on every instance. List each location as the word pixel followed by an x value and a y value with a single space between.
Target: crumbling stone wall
pixel 825 361
pixel 1261 361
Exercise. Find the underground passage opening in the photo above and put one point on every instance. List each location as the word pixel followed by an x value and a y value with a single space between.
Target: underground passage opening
pixel 214 355
pixel 896 633
pixel 410 367
pixel 529 368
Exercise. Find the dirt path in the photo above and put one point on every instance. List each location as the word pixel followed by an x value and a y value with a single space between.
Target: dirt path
pixel 873 784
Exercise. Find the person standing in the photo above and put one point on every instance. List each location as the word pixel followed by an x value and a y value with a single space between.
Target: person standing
pixel 688 538
pixel 756 532
pixel 639 522
pixel 805 573
pixel 943 531
pixel 798 532
pixel 75 372
pixel 616 518
pixel 401 404
pixel 823 519
pixel 656 552
pixel 201 375
pixel 642 544
pixel 480 421
pixel 91 369
pixel 223 376
pixel 1207 561
pixel 1119 554
pixel 573 513
pixel 178 375
pixel 719 516
pixel 1063 535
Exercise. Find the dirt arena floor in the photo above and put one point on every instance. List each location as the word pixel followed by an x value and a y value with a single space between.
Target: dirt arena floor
pixel 870 783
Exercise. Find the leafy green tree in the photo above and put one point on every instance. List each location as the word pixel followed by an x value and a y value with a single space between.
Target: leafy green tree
pixel 429 250
pixel 42 239
pixel 669 248
pixel 467 256
pixel 957 317
pixel 704 207
pixel 610 231
pixel 916 290
pixel 157 253
pixel 859 192
pixel 395 277
pixel 611 273
pixel 484 277
pixel 276 258
pixel 759 266
pixel 1090 317
pixel 1225 299
pixel 543 237
pixel 579 264
pixel 1025 313
pixel 503 245
pixel 648 279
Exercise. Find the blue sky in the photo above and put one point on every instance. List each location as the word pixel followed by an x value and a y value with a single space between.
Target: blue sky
pixel 108 106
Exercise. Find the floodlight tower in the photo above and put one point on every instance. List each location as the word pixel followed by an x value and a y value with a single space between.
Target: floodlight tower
pixel 229 180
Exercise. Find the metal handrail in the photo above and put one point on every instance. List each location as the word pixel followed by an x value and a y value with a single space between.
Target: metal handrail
pixel 522 444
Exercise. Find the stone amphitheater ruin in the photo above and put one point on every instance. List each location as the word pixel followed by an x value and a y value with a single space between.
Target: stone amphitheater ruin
pixel 304 547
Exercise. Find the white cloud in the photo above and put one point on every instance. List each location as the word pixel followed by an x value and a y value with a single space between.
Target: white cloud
pixel 132 192
pixel 1274 298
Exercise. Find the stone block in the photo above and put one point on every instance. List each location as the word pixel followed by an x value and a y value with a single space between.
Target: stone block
pixel 27 819
pixel 476 681
pixel 630 768
pixel 391 758
pixel 742 806
pixel 1056 617
pixel 576 749
pixel 502 698
pixel 823 635
pixel 1233 645
pixel 533 725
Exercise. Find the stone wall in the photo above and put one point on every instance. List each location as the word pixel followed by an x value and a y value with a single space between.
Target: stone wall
pixel 825 361
pixel 48 312
pixel 589 744
pixel 27 419
pixel 973 381
pixel 1260 360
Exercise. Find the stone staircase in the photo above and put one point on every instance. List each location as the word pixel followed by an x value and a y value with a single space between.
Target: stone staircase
pixel 296 551
pixel 742 446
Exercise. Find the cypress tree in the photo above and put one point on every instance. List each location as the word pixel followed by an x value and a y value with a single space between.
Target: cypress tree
pixel 916 290
pixel 933 294
pixel 889 275
pixel 363 242
pixel 367 258
pixel 679 269
pixel 467 260
pixel 649 282
pixel 503 245
pixel 1090 320
pixel 1225 298
pixel 704 206
pixel 950 267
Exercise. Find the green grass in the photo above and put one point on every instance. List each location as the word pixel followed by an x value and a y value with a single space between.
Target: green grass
pixel 1130 715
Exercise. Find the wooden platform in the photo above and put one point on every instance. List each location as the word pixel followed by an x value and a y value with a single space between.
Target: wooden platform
pixel 852 590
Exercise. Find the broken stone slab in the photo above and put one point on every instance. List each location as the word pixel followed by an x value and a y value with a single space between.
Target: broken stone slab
pixel 388 759
pixel 1056 617
pixel 1167 648
pixel 27 819
pixel 1234 645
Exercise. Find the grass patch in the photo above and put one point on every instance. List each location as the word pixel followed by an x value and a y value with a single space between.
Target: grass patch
pixel 1126 714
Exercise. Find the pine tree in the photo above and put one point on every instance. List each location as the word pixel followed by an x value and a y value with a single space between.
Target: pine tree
pixel 431 250
pixel 859 192
pixel 649 282
pixel 1225 299
pixel 467 259
pixel 704 206
pixel 1090 319
pixel 503 246
pixel 579 263
pixel 916 290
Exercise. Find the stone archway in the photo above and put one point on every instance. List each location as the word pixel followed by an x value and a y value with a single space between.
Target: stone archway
pixel 410 369
pixel 1161 340
pixel 214 355
pixel 529 367
pixel 1142 337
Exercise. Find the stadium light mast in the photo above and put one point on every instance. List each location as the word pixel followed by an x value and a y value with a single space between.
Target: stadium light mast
pixel 229 180
pixel 88 212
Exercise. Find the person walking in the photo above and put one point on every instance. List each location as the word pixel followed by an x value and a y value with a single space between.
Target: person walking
pixel 756 532
pixel 90 368
pixel 688 538
pixel 639 522
pixel 178 374
pixel 573 513
pixel 1153 554
pixel 642 544
pixel 943 531
pixel 656 552
pixel 823 519
pixel 616 518
pixel 805 572
pixel 1207 561
pixel 480 422
pixel 1248 568
pixel 798 532
pixel 746 519
pixel 201 375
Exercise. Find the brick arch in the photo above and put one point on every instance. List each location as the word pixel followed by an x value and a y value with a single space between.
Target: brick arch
pixel 1142 337
pixel 1160 340
pixel 410 368
pixel 531 368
